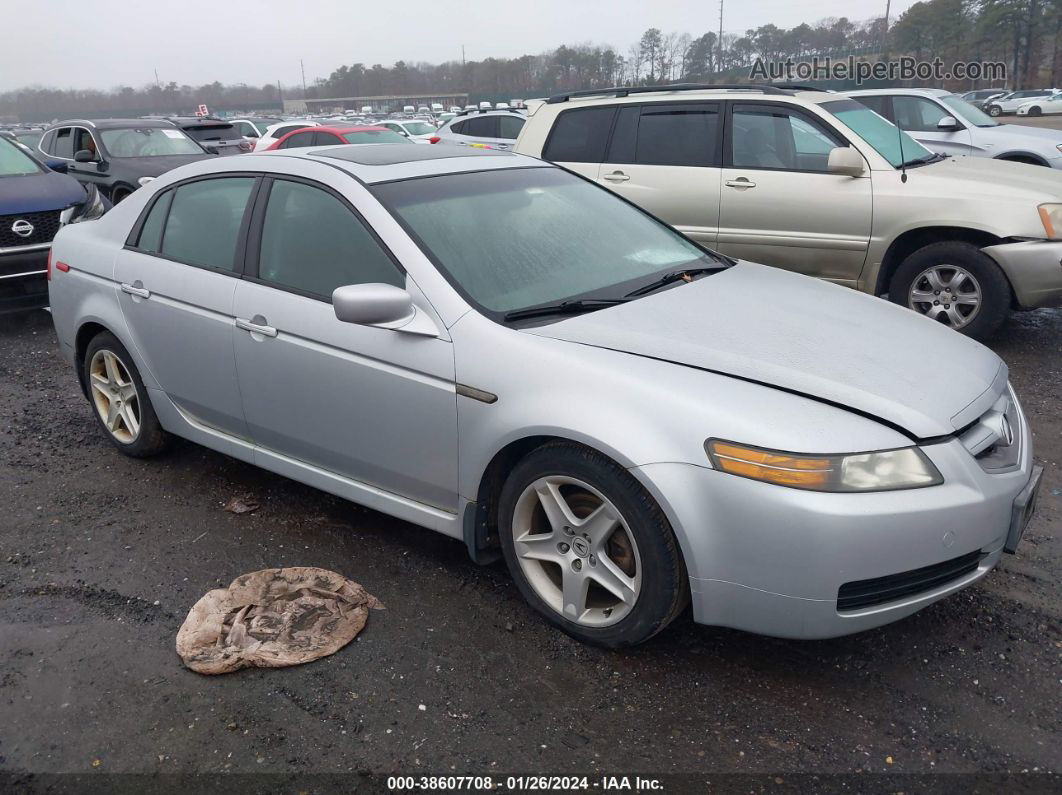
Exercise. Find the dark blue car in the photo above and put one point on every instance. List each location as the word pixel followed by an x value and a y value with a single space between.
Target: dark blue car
pixel 34 202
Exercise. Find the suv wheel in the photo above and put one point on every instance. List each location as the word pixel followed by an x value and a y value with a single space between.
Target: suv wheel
pixel 955 284
pixel 120 399
pixel 589 548
pixel 995 110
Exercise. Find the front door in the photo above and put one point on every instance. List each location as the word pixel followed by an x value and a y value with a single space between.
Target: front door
pixel 374 405
pixel 780 206
pixel 919 116
pixel 176 286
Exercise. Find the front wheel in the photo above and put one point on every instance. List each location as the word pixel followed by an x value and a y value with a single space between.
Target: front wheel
pixel 955 284
pixel 995 110
pixel 1035 111
pixel 589 548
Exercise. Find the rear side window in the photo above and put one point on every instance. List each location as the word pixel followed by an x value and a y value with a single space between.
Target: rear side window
pixel 203 226
pixel 678 135
pixel 313 243
pixel 579 136
pixel 298 140
pixel 458 127
pixel 482 127
pixel 509 127
pixel 151 231
pixel 877 103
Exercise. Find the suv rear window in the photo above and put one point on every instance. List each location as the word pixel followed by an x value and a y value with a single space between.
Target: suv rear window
pixel 580 136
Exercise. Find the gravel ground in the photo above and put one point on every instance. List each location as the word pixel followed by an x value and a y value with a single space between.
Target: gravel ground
pixel 102 556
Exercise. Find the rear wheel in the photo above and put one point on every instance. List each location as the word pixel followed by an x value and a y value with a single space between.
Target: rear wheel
pixel 120 399
pixel 589 548
pixel 955 284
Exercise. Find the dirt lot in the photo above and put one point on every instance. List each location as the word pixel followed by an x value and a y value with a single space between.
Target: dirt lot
pixel 102 556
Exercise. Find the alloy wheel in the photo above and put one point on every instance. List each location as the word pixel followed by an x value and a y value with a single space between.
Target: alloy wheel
pixel 946 293
pixel 576 551
pixel 115 397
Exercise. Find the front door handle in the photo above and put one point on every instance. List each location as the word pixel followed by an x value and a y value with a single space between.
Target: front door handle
pixel 256 328
pixel 616 176
pixel 740 182
pixel 137 289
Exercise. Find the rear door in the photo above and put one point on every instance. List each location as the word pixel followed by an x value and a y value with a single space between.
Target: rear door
pixel 780 206
pixel 177 277
pixel 665 157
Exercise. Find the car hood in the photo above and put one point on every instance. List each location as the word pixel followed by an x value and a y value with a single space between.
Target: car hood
pixel 157 166
pixel 809 337
pixel 1041 135
pixel 36 193
pixel 969 176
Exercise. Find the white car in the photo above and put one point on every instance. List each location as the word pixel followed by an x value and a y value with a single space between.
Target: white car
pixel 1042 107
pixel 416 130
pixel 253 129
pixel 1009 103
pixel 275 132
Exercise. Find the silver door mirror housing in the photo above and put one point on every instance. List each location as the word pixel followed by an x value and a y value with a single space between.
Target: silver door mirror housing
pixel 372 304
pixel 948 123
pixel 845 160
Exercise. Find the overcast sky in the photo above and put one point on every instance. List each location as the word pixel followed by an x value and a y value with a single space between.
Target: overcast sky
pixel 104 43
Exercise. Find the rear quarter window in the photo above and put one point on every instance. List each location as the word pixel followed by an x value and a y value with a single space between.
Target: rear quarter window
pixel 580 136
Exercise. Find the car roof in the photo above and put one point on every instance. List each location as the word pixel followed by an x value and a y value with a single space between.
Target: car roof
pixel 926 92
pixel 389 162
pixel 671 93
pixel 346 128
pixel 112 124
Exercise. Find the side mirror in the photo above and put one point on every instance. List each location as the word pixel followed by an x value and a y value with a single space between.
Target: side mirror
pixel 84 156
pixel 58 166
pixel 845 160
pixel 382 306
pixel 948 123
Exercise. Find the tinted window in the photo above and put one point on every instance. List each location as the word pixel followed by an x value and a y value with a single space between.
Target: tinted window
pixel 204 221
pixel 458 127
pixel 482 127
pixel 678 135
pixel 878 104
pixel 917 114
pixel 579 136
pixel 510 126
pixel 298 140
pixel 625 136
pixel 151 231
pixel 211 132
pixel 64 143
pixel 777 138
pixel 326 139
pixel 311 241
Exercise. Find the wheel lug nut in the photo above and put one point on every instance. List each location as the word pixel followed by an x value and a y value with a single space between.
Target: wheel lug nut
pixel 936 292
pixel 562 547
pixel 568 531
pixel 593 560
pixel 577 565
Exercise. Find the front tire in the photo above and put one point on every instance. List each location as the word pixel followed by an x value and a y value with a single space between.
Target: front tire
pixel 995 110
pixel 955 284
pixel 1035 111
pixel 589 548
pixel 119 399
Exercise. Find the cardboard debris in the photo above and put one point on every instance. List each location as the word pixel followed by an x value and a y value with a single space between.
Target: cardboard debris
pixel 273 618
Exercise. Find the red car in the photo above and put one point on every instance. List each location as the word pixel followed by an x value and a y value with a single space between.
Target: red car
pixel 332 136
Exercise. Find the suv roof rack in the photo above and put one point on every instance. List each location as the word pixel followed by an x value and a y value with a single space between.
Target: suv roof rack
pixel 623 91
pixel 467 111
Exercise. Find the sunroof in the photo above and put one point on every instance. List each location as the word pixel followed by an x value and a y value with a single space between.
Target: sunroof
pixel 392 154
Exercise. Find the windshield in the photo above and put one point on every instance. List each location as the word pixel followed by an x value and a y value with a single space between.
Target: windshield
pixel 149 142
pixel 212 132
pixel 967 112
pixel 375 137
pixel 885 137
pixel 515 238
pixel 419 128
pixel 14 162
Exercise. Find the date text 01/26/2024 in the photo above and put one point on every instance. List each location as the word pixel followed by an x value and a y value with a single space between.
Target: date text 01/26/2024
pixel 534 783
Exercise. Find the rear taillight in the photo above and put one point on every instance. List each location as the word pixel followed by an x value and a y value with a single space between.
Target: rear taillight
pixel 434 139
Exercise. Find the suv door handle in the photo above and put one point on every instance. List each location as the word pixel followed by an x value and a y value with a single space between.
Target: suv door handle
pixel 136 289
pixel 256 328
pixel 616 176
pixel 740 182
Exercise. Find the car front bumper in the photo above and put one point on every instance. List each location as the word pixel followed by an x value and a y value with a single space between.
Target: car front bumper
pixel 1034 269
pixel 773 560
pixel 23 277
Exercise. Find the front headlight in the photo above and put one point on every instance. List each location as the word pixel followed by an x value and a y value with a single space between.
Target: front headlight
pixel 89 210
pixel 1051 216
pixel 884 470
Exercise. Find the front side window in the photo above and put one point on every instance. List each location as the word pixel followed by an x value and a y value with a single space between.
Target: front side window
pixel 84 142
pixel 204 221
pixel 298 140
pixel 894 145
pixel 148 142
pixel 967 112
pixel 579 136
pixel 313 243
pixel 917 114
pixel 14 162
pixel 514 238
pixel 64 143
pixel 773 137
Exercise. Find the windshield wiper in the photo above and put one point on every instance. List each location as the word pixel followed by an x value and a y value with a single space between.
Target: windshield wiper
pixel 932 157
pixel 670 278
pixel 564 308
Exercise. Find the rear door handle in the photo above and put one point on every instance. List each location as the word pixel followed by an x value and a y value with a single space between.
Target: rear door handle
pixel 256 328
pixel 740 182
pixel 616 176
pixel 137 289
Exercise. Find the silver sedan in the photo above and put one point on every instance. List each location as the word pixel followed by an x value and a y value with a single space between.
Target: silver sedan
pixel 496 349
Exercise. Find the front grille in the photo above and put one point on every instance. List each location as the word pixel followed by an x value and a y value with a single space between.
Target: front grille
pixel 867 593
pixel 45 225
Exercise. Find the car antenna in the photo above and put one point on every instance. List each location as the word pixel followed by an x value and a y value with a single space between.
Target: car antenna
pixel 903 162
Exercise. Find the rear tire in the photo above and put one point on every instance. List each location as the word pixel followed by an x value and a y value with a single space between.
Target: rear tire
pixel 955 283
pixel 119 399
pixel 601 562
